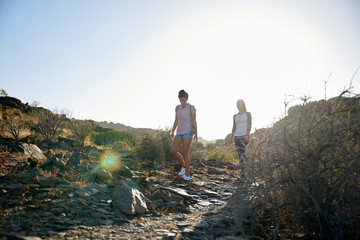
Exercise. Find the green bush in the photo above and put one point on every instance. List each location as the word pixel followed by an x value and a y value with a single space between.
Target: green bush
pixel 112 136
pixel 81 130
pixel 3 93
pixel 156 147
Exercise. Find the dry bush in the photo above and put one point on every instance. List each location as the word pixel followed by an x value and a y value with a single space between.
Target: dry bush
pixel 81 130
pixel 47 123
pixel 156 147
pixel 304 175
pixel 51 174
pixel 14 122
pixel 72 175
pixel 220 153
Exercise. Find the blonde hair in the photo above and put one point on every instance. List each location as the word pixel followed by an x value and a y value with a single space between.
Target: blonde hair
pixel 241 105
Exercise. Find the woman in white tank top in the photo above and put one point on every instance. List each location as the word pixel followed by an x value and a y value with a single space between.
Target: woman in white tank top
pixel 241 132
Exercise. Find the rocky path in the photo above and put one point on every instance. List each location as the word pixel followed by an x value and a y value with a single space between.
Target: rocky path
pixel 176 209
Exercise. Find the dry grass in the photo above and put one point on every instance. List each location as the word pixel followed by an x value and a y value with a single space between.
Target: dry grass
pixel 54 194
pixel 149 191
pixel 7 171
pixel 51 174
pixel 162 211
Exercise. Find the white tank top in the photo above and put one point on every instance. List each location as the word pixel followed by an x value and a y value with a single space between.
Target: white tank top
pixel 241 124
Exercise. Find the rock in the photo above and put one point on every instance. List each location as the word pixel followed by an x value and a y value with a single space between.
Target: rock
pixel 30 175
pixel 167 196
pixel 210 193
pixel 32 150
pixel 98 175
pixel 232 166
pixel 103 175
pixel 157 203
pixel 65 146
pixel 56 161
pixel 18 236
pixel 124 172
pixel 127 199
pixel 18 189
pixel 33 163
pixel 68 142
pixel 180 192
pixel 74 160
pixel 170 205
pixel 213 170
pixel 46 182
pixel 11 102
pixel 54 209
pixel 44 145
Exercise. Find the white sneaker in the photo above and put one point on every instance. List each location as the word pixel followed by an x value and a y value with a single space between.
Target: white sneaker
pixel 186 177
pixel 182 172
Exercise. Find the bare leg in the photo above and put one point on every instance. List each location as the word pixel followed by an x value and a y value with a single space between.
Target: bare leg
pixel 175 146
pixel 186 148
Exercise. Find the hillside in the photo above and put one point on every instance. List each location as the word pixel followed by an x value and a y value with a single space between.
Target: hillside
pixel 138 132
pixel 301 182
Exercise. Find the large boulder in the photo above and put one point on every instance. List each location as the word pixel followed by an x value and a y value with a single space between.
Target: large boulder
pixel 128 199
pixel 32 150
pixel 11 102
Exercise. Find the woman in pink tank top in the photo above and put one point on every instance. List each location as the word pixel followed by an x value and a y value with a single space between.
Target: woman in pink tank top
pixel 186 129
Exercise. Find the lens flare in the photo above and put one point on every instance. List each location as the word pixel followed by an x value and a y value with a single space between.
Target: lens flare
pixel 110 160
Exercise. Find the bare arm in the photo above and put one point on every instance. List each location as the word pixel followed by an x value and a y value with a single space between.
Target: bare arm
pixel 174 127
pixel 233 131
pixel 195 126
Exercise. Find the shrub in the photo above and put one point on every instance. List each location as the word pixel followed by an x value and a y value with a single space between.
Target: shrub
pixel 14 122
pixel 222 154
pixel 47 123
pixel 112 136
pixel 81 130
pixel 156 147
pixel 3 92
pixel 220 143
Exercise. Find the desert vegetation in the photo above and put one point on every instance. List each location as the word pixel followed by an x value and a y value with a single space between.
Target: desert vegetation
pixel 304 175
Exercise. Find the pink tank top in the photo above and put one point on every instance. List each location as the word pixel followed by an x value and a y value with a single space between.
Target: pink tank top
pixel 183 116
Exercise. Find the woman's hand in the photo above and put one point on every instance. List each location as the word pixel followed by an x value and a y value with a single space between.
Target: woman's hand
pixel 195 137
pixel 172 136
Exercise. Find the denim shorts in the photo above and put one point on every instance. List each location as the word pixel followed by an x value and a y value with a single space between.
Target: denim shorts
pixel 186 135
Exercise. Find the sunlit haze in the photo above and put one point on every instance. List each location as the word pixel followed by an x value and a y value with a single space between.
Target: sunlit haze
pixel 125 61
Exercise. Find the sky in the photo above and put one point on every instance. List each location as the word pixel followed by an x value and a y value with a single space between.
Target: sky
pixel 125 61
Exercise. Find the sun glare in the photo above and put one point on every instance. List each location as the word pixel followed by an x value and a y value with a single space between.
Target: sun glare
pixel 110 160
pixel 236 58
